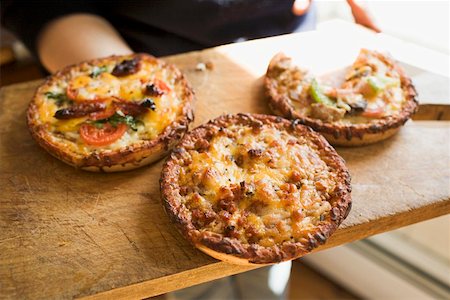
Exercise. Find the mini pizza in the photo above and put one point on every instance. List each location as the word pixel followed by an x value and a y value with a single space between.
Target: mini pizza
pixel 375 99
pixel 255 189
pixel 111 114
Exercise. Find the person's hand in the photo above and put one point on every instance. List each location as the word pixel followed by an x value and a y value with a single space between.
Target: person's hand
pixel 78 37
pixel 361 16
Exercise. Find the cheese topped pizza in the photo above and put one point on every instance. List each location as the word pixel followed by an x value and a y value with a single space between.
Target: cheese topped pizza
pixel 255 189
pixel 374 100
pixel 110 114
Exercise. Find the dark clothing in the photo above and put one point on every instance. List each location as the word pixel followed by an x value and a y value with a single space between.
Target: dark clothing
pixel 163 27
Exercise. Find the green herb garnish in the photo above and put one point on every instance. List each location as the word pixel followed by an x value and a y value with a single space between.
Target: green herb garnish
pixel 98 70
pixel 98 124
pixel 59 98
pixel 118 118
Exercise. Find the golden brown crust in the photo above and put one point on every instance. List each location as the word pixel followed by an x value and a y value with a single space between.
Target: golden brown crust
pixel 124 158
pixel 344 134
pixel 232 249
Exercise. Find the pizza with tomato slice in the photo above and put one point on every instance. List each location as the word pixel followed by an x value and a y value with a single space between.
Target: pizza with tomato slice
pixel 371 103
pixel 112 114
pixel 255 189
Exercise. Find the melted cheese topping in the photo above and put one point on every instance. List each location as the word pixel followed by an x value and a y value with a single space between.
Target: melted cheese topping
pixel 266 188
pixel 80 85
pixel 85 87
pixel 368 68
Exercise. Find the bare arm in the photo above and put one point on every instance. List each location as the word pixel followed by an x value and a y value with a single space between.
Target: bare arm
pixel 74 38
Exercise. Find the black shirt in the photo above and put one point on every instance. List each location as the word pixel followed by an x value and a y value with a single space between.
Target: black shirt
pixel 163 27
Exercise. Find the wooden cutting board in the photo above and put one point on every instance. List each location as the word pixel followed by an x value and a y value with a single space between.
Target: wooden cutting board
pixel 66 233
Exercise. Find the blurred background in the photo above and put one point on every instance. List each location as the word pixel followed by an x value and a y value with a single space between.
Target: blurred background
pixel 425 23
pixel 410 263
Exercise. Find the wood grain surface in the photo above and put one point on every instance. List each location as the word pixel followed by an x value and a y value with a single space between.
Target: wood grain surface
pixel 66 233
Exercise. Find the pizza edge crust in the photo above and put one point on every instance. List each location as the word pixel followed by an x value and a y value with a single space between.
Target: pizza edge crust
pixel 230 249
pixel 125 158
pixel 340 134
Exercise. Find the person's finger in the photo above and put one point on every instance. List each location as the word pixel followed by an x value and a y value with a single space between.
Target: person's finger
pixel 300 7
pixel 361 16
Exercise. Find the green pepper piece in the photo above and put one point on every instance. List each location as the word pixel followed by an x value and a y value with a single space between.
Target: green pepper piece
pixel 379 83
pixel 375 84
pixel 316 93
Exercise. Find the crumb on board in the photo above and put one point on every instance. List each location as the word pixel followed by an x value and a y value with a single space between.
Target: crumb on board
pixel 204 66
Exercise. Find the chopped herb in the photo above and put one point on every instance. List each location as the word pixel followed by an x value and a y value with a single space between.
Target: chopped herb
pixel 59 98
pixel 98 70
pixel 98 124
pixel 119 117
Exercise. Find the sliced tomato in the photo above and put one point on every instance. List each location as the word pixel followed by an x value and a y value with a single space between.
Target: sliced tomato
pixel 162 86
pixel 106 135
pixel 373 113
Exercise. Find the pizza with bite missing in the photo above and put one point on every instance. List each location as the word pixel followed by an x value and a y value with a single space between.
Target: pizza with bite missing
pixel 374 100
pixel 112 114
pixel 255 189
